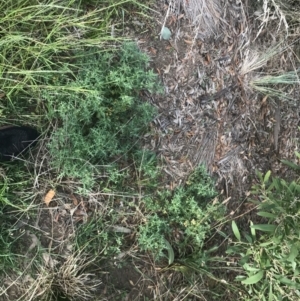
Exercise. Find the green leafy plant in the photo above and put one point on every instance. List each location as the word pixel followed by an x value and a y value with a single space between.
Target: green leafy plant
pixel 103 117
pixel 270 260
pixel 34 33
pixel 38 41
pixel 179 222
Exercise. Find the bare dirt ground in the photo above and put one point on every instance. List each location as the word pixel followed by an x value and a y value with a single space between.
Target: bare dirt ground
pixel 208 115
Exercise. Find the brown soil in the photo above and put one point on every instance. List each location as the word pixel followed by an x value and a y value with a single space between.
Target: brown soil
pixel 127 282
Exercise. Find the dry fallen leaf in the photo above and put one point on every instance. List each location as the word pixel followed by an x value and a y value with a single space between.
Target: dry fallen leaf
pixel 189 42
pixel 80 212
pixel 49 196
pixel 131 282
pixel 153 50
pixel 73 210
pixel 67 206
pixel 226 201
pixel 167 69
pixel 73 198
pixel 35 241
pixel 48 260
pixel 120 229
pixel 264 100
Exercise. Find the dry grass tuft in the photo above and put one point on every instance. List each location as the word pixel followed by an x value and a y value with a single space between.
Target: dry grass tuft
pixel 204 14
pixel 271 10
pixel 68 279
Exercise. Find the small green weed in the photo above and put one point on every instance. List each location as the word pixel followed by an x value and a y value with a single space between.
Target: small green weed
pixel 183 218
pixel 147 171
pixel 103 117
pixel 271 260
pixel 97 237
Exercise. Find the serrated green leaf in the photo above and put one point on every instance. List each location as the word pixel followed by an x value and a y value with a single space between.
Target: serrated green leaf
pixel 267 176
pixel 166 33
pixel 170 250
pixel 254 278
pixel 264 227
pixel 236 231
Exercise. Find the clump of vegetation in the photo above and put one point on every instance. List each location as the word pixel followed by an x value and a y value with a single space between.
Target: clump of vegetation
pixel 38 41
pixel 101 114
pixel 33 35
pixel 97 236
pixel 270 260
pixel 184 218
pixel 54 67
pixel 56 279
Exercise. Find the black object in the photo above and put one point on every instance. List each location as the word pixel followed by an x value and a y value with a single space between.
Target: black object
pixel 16 139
